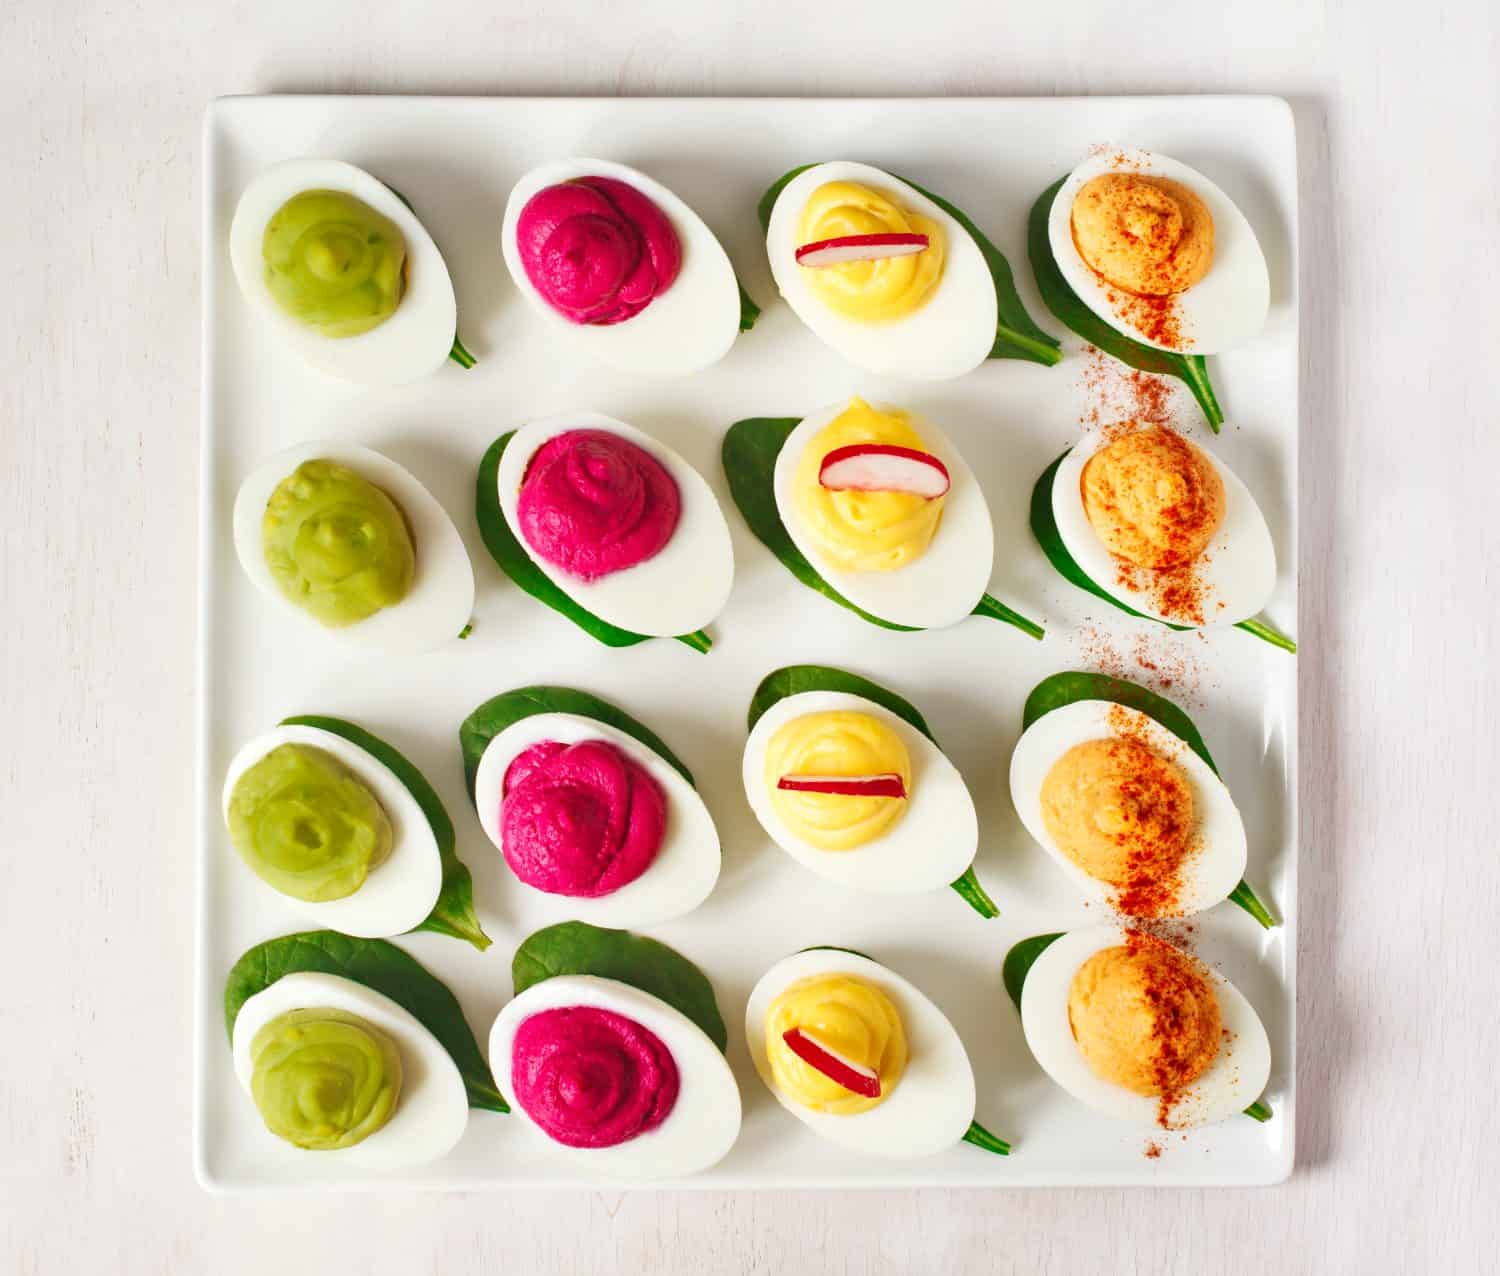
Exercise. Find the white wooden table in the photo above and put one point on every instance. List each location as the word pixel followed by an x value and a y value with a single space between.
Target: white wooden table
pixel 1397 108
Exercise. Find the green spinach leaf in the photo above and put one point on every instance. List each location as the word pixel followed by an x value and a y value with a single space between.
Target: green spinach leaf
pixel 1016 335
pixel 494 715
pixel 453 914
pixel 377 964
pixel 749 458
pixel 749 311
pixel 792 680
pixel 576 948
pixel 1044 528
pixel 515 562
pixel 1068 688
pixel 1062 301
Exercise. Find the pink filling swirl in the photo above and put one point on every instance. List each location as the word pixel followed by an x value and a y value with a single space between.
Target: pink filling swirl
pixel 593 503
pixel 581 819
pixel 597 249
pixel 591 1078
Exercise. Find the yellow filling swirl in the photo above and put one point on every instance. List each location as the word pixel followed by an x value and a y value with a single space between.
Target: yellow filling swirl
pixel 837 742
pixel 882 288
pixel 848 1015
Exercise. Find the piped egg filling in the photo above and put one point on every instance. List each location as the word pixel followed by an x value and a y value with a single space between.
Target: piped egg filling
pixel 1145 1017
pixel 875 289
pixel 1149 236
pixel 838 742
pixel 1153 498
pixel 860 530
pixel 1125 815
pixel 848 1016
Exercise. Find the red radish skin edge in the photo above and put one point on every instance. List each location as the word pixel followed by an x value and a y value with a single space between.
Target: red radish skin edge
pixel 845 1072
pixel 884 467
pixel 887 785
pixel 833 252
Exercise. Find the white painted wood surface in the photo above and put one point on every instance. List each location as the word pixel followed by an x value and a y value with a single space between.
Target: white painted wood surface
pixel 1397 111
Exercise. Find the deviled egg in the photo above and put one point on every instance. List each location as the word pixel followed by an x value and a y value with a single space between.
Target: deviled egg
pixel 846 778
pixel 616 259
pixel 343 536
pixel 876 268
pixel 609 526
pixel 874 507
pixel 353 1068
pixel 1159 252
pixel 342 268
pixel 335 819
pixel 1139 1029
pixel 606 1052
pixel 589 806
pixel 1158 526
pixel 861 1057
pixel 1125 806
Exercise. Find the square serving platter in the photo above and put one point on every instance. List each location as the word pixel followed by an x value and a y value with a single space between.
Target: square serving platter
pixel 456 159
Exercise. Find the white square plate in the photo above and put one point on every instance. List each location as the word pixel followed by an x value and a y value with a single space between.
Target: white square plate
pixel 456 159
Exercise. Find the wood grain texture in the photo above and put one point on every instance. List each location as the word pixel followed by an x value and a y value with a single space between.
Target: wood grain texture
pixel 101 104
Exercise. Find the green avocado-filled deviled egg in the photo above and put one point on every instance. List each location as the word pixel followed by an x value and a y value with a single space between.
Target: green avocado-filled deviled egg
pixel 608 526
pixel 338 263
pixel 613 1051
pixel 342 536
pixel 1138 1028
pixel 332 817
pixel 350 1049
pixel 872 506
pixel 896 280
pixel 862 1057
pixel 846 778
pixel 588 805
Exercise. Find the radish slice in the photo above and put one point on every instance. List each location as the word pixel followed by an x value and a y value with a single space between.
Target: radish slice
pixel 852 1076
pixel 887 784
pixel 881 467
pixel 831 252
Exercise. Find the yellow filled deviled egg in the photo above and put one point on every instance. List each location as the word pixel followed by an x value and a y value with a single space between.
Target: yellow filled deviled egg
pixel 861 1057
pixel 345 537
pixel 844 777
pixel 344 271
pixel 1159 252
pixel 881 273
pixel 1141 1030
pixel 881 503
pixel 611 256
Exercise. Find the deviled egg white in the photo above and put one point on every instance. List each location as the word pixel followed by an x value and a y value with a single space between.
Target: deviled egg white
pixel 344 271
pixel 283 1059
pixel 1159 252
pixel 828 1008
pixel 360 547
pixel 883 844
pixel 619 522
pixel 1140 1030
pixel 611 256
pixel 615 1078
pixel 927 315
pixel 1164 526
pixel 1127 810
pixel 547 817
pixel 905 557
pixel 329 826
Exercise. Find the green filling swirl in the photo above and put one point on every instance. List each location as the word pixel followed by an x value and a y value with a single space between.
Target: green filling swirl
pixel 307 825
pixel 324 1079
pixel 336 545
pixel 334 263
